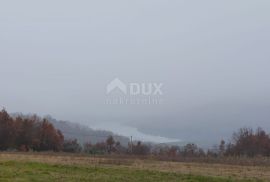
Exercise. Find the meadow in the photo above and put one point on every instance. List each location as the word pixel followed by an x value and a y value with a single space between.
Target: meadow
pixel 70 167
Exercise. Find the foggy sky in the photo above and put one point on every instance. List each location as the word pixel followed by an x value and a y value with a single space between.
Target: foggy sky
pixel 212 57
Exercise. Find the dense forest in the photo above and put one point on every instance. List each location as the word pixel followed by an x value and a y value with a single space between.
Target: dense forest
pixel 36 134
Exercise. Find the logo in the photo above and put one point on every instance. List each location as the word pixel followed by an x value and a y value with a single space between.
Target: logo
pixel 135 88
pixel 116 84
pixel 133 93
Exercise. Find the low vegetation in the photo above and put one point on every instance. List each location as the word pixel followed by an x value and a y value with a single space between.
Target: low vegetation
pixel 56 167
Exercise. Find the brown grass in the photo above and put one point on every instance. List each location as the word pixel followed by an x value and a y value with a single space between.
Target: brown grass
pixel 205 169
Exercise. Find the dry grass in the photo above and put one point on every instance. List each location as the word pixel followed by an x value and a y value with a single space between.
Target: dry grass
pixel 204 169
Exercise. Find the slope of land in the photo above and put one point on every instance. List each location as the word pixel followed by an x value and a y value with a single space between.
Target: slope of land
pixel 82 133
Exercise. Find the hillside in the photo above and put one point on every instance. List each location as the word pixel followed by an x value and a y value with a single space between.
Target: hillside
pixel 80 132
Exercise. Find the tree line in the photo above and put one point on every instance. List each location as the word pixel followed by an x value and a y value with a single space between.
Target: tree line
pixel 247 142
pixel 37 134
pixel 26 134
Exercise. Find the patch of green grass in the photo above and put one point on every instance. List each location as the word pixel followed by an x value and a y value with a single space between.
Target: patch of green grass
pixel 34 171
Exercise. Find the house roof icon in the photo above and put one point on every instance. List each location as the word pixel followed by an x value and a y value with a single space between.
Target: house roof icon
pixel 116 83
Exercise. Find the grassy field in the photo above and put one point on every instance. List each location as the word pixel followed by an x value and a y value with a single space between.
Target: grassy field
pixel 45 167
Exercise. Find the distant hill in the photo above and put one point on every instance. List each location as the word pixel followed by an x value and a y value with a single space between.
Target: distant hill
pixel 83 133
pixel 80 132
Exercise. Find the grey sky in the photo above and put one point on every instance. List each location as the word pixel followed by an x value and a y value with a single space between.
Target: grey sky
pixel 211 56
